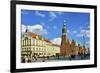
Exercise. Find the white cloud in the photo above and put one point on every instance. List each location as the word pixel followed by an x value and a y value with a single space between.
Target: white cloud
pixel 56 41
pixel 52 16
pixel 87 42
pixel 79 35
pixel 68 31
pixel 39 14
pixel 87 27
pixel 71 32
pixel 37 28
pixel 44 25
pixel 24 12
pixel 84 32
pixel 23 28
pixel 74 32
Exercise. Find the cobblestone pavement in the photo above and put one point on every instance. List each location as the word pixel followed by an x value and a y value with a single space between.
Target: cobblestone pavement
pixel 61 58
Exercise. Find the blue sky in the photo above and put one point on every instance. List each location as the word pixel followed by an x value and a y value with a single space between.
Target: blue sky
pixel 49 24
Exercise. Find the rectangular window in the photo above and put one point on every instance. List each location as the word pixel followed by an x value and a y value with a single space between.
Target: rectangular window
pixel 33 41
pixel 25 42
pixel 30 42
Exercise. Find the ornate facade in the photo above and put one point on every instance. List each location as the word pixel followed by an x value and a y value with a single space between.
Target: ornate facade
pixel 69 47
pixel 63 48
pixel 34 45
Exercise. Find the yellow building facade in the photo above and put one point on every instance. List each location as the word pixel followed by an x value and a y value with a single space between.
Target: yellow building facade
pixel 33 45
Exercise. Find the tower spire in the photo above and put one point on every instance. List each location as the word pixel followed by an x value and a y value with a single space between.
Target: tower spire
pixel 64 29
pixel 26 29
pixel 64 22
pixel 64 39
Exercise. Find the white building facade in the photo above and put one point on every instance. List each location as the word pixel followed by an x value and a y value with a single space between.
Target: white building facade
pixel 34 45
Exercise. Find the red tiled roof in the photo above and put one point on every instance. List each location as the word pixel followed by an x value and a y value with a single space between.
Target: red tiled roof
pixel 55 45
pixel 34 35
